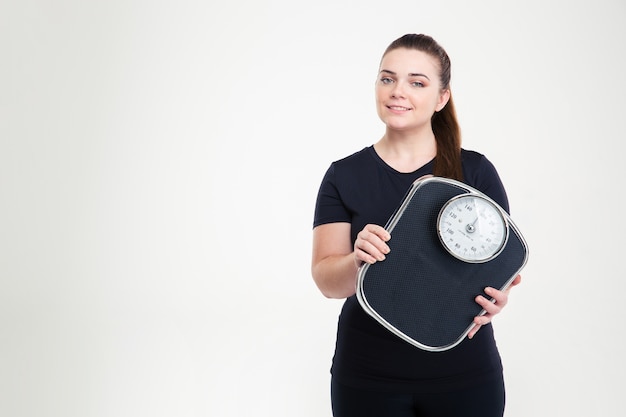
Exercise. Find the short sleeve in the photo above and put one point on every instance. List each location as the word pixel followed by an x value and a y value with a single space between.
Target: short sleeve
pixel 329 208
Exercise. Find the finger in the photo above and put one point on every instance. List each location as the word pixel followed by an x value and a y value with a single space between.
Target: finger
pixel 490 307
pixel 479 321
pixel 377 235
pixel 369 255
pixel 474 330
pixel 378 231
pixel 373 242
pixel 500 297
pixel 368 252
pixel 516 281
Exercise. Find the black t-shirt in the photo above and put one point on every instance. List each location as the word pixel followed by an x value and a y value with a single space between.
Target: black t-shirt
pixel 362 189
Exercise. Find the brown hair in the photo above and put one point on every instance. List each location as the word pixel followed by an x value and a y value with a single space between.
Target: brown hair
pixel 444 122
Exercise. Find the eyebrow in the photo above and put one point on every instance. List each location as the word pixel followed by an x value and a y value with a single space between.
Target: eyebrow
pixel 412 74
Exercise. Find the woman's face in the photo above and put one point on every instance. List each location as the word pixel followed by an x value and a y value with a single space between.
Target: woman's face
pixel 408 90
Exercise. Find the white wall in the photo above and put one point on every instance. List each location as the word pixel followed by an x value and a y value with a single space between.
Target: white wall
pixel 159 162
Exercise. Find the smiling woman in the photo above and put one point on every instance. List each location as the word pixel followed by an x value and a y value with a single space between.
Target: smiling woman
pixel 374 372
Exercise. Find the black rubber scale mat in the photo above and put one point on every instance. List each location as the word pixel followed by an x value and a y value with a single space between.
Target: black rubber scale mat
pixel 421 292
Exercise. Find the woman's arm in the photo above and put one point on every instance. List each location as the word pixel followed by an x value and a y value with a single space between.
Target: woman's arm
pixel 335 261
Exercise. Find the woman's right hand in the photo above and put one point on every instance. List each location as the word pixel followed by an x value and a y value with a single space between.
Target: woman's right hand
pixel 335 260
pixel 370 245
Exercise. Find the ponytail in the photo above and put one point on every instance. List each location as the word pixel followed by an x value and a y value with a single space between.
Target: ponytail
pixel 448 137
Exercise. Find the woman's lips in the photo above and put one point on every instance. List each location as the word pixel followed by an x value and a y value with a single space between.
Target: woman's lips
pixel 398 108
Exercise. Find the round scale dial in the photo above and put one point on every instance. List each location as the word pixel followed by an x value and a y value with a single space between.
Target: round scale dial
pixel 472 228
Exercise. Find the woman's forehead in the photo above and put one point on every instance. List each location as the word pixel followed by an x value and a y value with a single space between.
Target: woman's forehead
pixel 405 61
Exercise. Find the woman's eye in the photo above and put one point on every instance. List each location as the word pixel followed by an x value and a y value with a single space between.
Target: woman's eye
pixel 417 84
pixel 386 80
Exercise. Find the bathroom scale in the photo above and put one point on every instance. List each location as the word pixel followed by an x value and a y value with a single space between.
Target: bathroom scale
pixel 448 242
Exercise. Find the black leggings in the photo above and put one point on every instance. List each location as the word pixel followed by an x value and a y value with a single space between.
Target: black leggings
pixel 482 400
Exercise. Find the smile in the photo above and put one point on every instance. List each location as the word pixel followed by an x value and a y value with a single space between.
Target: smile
pixel 398 108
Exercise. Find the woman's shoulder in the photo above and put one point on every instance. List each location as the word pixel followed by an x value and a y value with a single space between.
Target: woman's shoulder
pixel 355 158
pixel 471 156
pixel 480 173
pixel 475 161
pixel 354 164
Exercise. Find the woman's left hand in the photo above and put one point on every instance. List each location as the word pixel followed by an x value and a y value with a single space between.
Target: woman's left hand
pixel 492 308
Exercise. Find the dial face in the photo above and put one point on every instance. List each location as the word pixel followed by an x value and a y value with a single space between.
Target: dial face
pixel 472 228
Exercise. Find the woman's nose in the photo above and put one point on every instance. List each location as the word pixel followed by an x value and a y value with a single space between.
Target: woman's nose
pixel 398 90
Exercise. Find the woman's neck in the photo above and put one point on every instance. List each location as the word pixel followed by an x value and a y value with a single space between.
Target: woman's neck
pixel 406 153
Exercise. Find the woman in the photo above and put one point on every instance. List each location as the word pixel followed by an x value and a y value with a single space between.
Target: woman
pixel 374 372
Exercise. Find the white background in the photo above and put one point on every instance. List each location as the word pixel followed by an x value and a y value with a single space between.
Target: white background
pixel 159 163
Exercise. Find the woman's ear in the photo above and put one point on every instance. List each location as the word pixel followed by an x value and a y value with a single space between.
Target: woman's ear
pixel 443 99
